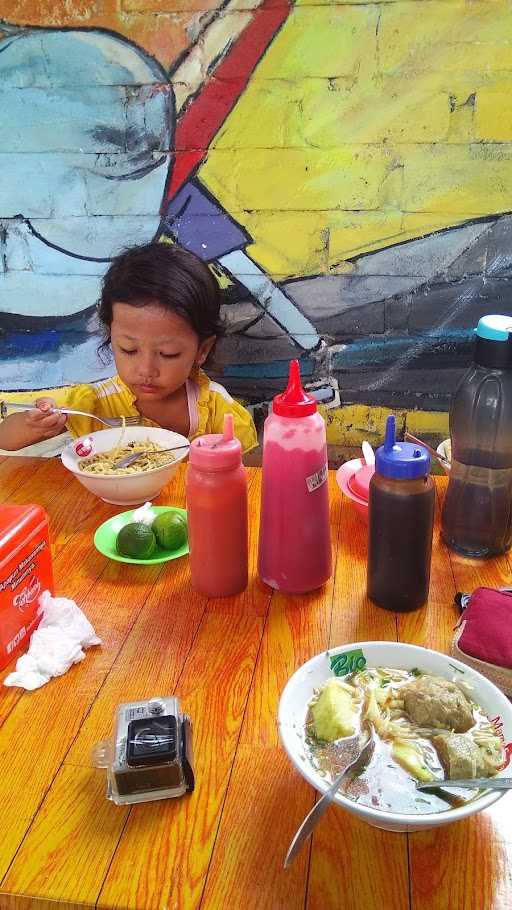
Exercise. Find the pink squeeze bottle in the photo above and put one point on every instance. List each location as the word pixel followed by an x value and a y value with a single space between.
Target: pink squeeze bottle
pixel 295 544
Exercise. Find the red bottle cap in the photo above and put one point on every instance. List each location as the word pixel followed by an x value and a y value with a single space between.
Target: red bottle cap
pixel 294 402
pixel 216 451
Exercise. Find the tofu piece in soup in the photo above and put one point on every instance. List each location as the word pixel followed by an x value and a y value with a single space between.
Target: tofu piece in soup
pixel 333 713
pixel 460 756
pixel 408 756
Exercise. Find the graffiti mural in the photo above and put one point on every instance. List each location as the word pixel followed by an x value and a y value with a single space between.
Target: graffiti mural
pixel 344 169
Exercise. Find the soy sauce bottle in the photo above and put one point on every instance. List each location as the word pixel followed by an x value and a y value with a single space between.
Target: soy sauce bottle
pixel 401 519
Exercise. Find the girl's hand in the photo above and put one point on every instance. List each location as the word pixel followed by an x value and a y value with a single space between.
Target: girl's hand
pixel 45 420
pixel 24 428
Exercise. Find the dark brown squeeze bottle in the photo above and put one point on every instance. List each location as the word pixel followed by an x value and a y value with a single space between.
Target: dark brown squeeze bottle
pixel 401 519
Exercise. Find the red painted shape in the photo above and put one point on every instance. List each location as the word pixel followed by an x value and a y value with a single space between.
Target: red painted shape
pixel 206 113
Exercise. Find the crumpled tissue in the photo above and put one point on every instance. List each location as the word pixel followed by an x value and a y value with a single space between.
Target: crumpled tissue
pixel 55 645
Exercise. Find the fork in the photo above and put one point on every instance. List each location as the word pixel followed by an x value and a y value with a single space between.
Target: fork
pixel 133 456
pixel 107 421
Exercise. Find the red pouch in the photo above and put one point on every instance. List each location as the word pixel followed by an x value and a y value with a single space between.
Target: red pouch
pixel 483 637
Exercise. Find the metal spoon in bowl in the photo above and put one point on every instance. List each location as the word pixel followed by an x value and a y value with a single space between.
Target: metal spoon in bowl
pixel 440 458
pixel 368 453
pixel 473 783
pixel 314 816
pixel 133 456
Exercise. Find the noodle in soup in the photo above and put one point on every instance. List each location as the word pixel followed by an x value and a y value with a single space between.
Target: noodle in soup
pixel 103 462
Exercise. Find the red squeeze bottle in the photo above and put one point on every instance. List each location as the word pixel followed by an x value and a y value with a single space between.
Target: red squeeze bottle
pixel 216 490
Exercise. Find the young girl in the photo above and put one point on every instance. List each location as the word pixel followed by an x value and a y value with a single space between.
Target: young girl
pixel 160 309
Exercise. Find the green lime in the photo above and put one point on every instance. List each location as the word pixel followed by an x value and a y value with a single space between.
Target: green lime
pixel 170 530
pixel 136 540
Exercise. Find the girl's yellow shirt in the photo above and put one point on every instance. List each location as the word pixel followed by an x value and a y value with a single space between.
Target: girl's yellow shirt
pixel 113 398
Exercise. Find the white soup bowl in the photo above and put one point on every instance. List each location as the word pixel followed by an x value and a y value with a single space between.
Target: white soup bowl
pixel 126 489
pixel 299 691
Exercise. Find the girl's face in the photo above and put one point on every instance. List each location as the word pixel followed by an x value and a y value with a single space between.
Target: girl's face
pixel 155 350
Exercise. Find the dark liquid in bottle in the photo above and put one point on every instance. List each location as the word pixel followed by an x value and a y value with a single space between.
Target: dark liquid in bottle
pixel 400 543
pixel 477 510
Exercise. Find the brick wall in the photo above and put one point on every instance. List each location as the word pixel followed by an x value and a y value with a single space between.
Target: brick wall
pixel 360 153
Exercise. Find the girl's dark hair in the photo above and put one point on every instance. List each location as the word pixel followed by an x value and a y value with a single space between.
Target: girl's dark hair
pixel 167 275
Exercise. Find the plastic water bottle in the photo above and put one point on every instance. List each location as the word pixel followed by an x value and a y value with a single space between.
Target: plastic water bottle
pixel 400 519
pixel 477 510
pixel 216 490
pixel 295 545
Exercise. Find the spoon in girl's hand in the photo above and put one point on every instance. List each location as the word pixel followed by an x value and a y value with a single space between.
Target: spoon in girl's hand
pixel 368 453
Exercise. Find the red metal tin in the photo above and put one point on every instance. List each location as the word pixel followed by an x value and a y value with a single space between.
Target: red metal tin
pixel 25 572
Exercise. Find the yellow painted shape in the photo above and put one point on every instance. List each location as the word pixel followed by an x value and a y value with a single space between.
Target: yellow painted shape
pixel 260 101
pixel 494 116
pixel 420 223
pixel 350 424
pixel 326 42
pixel 353 233
pixel 367 112
pixel 375 110
pixel 300 179
pixel 466 181
pixel 322 241
pixel 445 36
pixel 428 423
pixel 309 253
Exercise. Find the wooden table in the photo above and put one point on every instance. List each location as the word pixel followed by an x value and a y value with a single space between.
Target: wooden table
pixel 228 660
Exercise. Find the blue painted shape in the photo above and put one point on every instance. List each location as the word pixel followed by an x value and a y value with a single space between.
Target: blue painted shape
pixel 87 119
pixel 198 222
pixel 29 344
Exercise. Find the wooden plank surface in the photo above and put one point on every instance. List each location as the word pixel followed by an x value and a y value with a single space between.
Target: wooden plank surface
pixel 64 845
pixel 14 473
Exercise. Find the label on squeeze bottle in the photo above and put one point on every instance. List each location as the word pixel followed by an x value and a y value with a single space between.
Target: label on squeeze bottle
pixel 317 480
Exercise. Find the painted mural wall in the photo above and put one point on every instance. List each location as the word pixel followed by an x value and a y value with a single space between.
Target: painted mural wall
pixel 345 168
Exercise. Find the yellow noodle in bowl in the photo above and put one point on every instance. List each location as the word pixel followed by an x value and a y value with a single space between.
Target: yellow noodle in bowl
pixel 141 481
pixel 103 462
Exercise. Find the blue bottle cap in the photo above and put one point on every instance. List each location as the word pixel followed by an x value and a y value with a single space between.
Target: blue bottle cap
pixel 494 328
pixel 401 460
